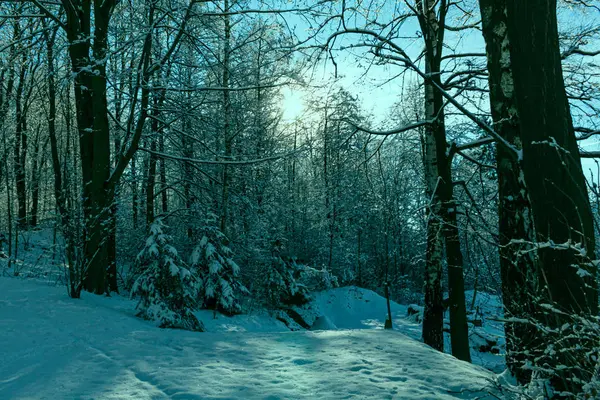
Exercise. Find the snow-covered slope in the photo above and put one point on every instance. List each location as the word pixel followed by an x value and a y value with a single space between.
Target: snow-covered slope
pixel 351 307
pixel 358 308
pixel 487 309
pixel 53 347
pixel 36 256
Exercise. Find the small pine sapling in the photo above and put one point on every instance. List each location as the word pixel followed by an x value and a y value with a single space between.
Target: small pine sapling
pixel 166 288
pixel 219 276
pixel 283 288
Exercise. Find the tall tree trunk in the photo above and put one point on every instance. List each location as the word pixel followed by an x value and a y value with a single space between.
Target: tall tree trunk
pixel 135 198
pixel 433 315
pixel 156 129
pixel 433 30
pixel 556 185
pixel 36 172
pixel 327 184
pixel 78 26
pixel 188 176
pixel 228 137
pixel 145 172
pixel 98 254
pixel 9 215
pixel 459 331
pixel 94 137
pixel 163 174
pixel 20 150
pixel 151 182
pixel 7 80
pixel 59 190
pixel 514 215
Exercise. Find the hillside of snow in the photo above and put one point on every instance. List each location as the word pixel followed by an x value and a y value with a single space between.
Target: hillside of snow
pixel 351 307
pixel 54 347
pixel 358 308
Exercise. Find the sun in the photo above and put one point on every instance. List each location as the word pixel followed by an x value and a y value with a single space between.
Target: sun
pixel 292 105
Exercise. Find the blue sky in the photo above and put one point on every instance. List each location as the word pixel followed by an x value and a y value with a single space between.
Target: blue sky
pixel 376 89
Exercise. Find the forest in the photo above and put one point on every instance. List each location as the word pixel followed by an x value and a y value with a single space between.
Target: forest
pixel 188 163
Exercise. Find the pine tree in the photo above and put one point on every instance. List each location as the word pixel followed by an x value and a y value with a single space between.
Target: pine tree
pixel 283 288
pixel 167 289
pixel 219 276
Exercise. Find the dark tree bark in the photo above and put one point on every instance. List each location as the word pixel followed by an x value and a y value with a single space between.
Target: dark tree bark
pixel 135 198
pixel 7 80
pixel 188 152
pixel 20 150
pixel 151 176
pixel 433 315
pixel 36 173
pixel 163 174
pixel 556 185
pixel 227 135
pixel 156 128
pixel 94 135
pixel 514 213
pixel 443 205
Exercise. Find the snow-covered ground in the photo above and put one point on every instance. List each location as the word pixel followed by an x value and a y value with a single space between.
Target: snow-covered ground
pixel 490 336
pixel 95 348
pixel 54 347
pixel 357 308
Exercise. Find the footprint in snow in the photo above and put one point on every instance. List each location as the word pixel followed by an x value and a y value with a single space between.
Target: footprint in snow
pixel 301 361
pixel 396 378
pixel 357 368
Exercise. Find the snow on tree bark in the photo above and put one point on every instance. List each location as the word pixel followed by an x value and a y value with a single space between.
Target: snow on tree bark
pixel 517 268
pixel 437 154
pixel 564 231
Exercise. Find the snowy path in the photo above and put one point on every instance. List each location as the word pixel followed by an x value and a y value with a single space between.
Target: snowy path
pixel 53 347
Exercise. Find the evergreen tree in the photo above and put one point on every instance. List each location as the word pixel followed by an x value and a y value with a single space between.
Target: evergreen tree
pixel 167 289
pixel 283 288
pixel 219 276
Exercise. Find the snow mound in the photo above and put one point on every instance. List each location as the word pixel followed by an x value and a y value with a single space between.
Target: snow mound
pixel 53 347
pixel 351 307
pixel 323 323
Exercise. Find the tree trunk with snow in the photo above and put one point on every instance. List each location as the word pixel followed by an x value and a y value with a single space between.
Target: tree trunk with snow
pixel 517 269
pixel 433 315
pixel 437 159
pixel 93 127
pixel 20 149
pixel 556 185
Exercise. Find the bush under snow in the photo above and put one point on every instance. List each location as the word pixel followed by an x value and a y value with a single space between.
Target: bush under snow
pixel 317 280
